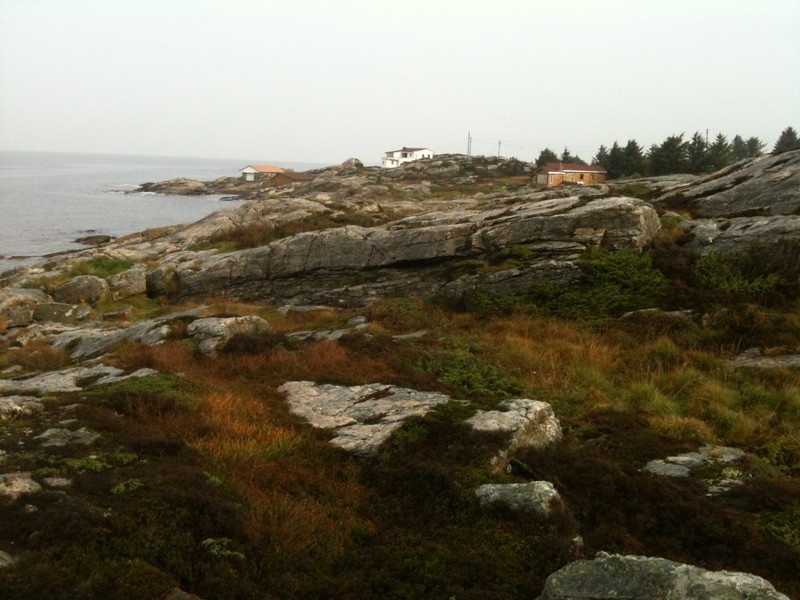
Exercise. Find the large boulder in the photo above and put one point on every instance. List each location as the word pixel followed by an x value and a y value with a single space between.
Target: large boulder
pixel 615 576
pixel 531 423
pixel 213 333
pixel 128 283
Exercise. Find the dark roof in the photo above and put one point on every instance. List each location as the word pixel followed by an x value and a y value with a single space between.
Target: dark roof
pixel 557 167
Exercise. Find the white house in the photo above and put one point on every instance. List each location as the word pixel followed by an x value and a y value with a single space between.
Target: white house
pixel 253 172
pixel 395 158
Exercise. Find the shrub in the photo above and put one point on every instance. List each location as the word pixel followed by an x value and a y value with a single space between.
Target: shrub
pixel 732 274
pixel 610 284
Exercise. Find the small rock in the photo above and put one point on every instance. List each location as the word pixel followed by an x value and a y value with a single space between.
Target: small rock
pixel 538 497
pixel 6 560
pixel 14 485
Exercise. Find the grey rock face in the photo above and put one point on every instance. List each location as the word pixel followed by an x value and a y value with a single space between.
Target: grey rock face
pixel 418 256
pixel 91 343
pixel 128 283
pixel 615 576
pixel 83 288
pixel 765 186
pixel 740 234
pixel 539 497
pixel 362 416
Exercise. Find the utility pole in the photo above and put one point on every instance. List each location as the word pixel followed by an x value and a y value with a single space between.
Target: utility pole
pixel 498 148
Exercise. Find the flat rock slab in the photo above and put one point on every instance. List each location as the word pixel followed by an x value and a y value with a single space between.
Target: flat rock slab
pixel 681 465
pixel 361 416
pixel 68 380
pixel 649 578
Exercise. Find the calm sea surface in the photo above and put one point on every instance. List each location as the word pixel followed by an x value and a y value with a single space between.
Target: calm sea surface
pixel 49 200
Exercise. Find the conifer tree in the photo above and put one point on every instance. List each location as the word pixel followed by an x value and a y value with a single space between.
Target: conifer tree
pixel 788 140
pixel 546 156
pixel 697 152
pixel 719 153
pixel 601 158
pixel 634 159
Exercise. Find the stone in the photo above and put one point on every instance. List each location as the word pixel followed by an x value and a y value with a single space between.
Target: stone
pixel 12 406
pixel 59 312
pixel 614 576
pixel 681 466
pixel 128 283
pixel 753 359
pixel 72 379
pixel 17 305
pixel 539 497
pixel 6 560
pixel 16 485
pixel 361 417
pixel 93 342
pixel 87 289
pixel 59 436
pixel 213 333
pixel 531 423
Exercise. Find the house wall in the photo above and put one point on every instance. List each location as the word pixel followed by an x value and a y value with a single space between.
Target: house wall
pixel 554 179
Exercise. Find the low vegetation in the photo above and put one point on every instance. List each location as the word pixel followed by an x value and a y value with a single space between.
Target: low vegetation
pixel 203 480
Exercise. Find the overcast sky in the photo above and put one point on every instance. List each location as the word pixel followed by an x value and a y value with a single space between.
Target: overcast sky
pixel 325 80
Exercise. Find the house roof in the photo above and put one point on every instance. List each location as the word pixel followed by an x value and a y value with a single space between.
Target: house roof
pixel 404 149
pixel 557 167
pixel 265 168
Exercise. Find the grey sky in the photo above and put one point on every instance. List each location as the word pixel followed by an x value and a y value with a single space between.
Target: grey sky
pixel 324 80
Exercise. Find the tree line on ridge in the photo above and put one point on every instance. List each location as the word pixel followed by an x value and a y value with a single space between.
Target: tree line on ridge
pixel 675 154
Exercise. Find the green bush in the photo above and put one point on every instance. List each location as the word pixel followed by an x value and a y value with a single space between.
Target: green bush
pixel 733 273
pixel 100 266
pixel 610 284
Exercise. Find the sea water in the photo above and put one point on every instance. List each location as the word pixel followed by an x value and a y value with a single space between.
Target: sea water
pixel 49 200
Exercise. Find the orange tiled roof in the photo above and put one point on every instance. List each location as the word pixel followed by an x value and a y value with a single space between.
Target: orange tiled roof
pixel 266 168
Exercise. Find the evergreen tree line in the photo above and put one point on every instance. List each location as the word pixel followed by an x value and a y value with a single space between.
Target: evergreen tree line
pixel 675 154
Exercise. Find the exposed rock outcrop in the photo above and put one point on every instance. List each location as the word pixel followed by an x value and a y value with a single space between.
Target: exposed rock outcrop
pixel 768 185
pixel 362 417
pixel 420 256
pixel 615 576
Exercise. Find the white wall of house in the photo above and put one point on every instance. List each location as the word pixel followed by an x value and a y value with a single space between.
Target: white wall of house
pixel 395 158
pixel 249 173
